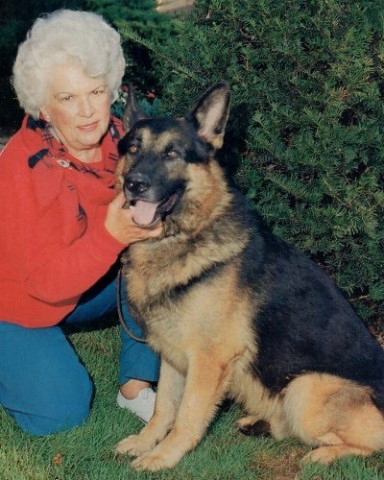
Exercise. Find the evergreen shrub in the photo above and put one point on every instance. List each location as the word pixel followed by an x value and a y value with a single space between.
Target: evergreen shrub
pixel 307 121
pixel 136 19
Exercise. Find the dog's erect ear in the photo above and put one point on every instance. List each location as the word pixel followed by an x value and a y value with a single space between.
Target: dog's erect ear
pixel 132 112
pixel 211 114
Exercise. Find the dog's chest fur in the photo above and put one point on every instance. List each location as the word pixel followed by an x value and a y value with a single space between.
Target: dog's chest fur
pixel 171 284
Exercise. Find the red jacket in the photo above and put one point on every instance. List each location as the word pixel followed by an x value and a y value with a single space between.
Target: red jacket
pixel 53 242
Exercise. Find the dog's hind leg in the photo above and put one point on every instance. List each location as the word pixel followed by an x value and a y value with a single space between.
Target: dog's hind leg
pixel 168 397
pixel 327 455
pixel 335 415
pixel 360 432
pixel 206 383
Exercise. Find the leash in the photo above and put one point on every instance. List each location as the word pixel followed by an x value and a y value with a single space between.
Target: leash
pixel 120 313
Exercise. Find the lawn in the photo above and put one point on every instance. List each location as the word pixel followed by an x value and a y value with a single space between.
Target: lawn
pixel 86 453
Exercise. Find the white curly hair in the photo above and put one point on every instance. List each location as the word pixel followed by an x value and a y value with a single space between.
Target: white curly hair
pixel 66 35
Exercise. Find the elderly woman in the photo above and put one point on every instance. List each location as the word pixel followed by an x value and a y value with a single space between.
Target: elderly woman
pixel 62 227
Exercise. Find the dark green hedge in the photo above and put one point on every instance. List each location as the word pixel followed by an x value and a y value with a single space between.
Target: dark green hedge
pixel 307 121
pixel 136 19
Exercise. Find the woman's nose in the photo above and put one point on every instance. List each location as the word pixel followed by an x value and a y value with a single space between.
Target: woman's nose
pixel 86 108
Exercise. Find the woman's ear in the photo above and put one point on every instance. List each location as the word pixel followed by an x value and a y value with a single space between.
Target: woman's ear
pixel 44 114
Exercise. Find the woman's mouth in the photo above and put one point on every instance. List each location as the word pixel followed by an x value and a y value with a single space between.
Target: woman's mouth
pixel 90 127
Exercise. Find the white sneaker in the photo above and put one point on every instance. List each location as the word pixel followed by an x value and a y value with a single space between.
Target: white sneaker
pixel 142 406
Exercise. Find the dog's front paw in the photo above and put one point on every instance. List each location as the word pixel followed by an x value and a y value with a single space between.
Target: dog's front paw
pixel 134 445
pixel 153 461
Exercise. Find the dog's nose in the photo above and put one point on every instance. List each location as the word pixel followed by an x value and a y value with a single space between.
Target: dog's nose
pixel 137 183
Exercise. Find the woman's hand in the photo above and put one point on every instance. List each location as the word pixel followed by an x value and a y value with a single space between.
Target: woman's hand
pixel 119 223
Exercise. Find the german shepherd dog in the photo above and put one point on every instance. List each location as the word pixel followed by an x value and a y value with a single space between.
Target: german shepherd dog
pixel 234 311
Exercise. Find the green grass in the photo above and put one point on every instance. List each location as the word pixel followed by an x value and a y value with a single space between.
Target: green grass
pixel 86 453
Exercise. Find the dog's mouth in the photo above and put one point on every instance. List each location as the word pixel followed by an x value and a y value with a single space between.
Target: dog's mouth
pixel 147 214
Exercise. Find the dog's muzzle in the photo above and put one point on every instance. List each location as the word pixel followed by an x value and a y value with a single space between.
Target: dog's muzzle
pixel 146 211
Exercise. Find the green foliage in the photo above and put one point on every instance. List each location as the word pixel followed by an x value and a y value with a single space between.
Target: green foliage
pixel 149 108
pixel 136 20
pixel 307 120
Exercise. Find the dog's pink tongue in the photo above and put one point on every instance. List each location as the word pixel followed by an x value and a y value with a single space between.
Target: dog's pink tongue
pixel 143 213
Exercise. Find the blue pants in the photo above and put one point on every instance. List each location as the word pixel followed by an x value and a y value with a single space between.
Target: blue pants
pixel 43 384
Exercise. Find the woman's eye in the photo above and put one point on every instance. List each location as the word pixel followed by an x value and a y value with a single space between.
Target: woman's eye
pixel 133 149
pixel 100 91
pixel 67 98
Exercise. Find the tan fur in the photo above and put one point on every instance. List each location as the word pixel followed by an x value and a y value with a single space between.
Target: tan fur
pixel 322 411
pixel 191 335
pixel 326 410
pixel 173 256
pixel 207 352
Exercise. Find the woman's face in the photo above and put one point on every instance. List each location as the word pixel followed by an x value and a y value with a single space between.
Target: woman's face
pixel 78 108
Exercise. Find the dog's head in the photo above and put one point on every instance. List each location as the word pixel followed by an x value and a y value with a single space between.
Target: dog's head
pixel 157 154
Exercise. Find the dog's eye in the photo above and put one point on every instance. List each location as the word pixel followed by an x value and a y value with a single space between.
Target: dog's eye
pixel 133 149
pixel 172 154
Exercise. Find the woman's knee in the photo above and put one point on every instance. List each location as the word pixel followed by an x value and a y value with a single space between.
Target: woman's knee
pixel 43 383
pixel 62 411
